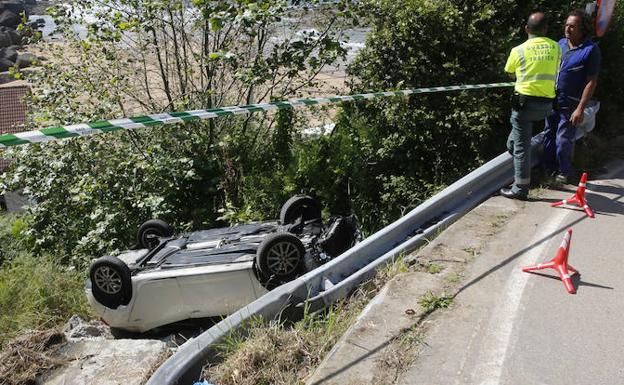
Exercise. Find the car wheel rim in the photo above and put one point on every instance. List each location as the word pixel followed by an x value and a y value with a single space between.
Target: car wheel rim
pixel 283 258
pixel 149 238
pixel 107 280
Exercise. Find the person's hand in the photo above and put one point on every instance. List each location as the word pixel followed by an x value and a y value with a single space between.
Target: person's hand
pixel 577 117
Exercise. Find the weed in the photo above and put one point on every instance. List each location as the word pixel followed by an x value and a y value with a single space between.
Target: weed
pixel 454 277
pixel 473 252
pixel 36 292
pixel 434 268
pixel 278 354
pixel 537 192
pixel 499 220
pixel 412 336
pixel 431 302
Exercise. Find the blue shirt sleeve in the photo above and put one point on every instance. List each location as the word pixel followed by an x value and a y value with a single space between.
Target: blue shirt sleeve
pixel 593 61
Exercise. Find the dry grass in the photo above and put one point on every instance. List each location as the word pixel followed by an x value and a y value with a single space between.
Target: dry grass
pixel 281 354
pixel 30 355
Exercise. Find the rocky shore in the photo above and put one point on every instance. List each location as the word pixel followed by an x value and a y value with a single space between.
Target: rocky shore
pixel 12 39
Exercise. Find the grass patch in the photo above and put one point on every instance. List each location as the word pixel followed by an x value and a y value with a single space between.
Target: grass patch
pixel 434 268
pixel 499 220
pixel 472 253
pixel 411 337
pixel 431 302
pixel 537 192
pixel 36 292
pixel 454 277
pixel 281 354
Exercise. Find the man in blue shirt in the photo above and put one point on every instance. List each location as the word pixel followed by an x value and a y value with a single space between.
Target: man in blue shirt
pixel 576 82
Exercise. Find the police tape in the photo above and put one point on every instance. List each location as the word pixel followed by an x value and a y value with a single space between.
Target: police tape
pixel 85 129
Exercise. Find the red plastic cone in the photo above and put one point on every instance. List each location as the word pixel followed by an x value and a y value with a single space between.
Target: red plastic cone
pixel 560 264
pixel 578 198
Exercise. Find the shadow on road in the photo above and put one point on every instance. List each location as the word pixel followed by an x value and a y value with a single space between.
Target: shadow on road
pixel 506 261
pixel 576 280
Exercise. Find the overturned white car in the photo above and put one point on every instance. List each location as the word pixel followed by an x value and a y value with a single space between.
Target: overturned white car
pixel 212 272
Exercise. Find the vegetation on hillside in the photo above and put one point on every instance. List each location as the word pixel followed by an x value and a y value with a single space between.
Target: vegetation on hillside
pixel 36 290
pixel 382 159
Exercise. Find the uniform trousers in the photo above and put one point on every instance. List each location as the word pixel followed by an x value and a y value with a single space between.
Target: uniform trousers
pixel 519 140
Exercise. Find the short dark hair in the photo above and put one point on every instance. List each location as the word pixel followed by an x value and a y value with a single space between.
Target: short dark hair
pixel 537 23
pixel 586 22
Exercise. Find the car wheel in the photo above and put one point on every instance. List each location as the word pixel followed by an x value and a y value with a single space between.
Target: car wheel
pixel 111 283
pixel 147 236
pixel 280 258
pixel 300 206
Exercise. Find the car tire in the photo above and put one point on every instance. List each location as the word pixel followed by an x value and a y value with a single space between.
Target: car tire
pixel 280 259
pixel 111 282
pixel 150 229
pixel 300 206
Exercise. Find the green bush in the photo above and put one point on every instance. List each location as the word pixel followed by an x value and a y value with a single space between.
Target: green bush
pixel 394 153
pixel 13 239
pixel 93 193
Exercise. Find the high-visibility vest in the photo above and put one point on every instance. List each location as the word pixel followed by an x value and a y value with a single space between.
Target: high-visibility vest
pixel 535 64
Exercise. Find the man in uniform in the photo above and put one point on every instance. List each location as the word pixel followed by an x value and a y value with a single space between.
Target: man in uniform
pixel 576 82
pixel 535 64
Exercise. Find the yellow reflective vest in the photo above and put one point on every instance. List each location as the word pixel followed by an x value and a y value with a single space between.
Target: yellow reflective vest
pixel 535 64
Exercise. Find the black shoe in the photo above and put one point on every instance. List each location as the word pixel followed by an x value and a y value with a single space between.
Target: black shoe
pixel 507 193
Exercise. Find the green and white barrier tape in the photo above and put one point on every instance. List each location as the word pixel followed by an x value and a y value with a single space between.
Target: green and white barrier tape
pixel 84 129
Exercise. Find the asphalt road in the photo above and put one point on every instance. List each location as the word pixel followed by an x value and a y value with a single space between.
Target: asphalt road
pixel 510 327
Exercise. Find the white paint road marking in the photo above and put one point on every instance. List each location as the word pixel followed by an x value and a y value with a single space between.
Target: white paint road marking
pixel 489 369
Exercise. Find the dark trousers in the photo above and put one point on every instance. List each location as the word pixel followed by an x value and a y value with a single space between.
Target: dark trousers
pixel 559 135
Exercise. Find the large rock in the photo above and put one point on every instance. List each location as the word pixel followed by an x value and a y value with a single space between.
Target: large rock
pixel 26 60
pixel 76 329
pixel 14 6
pixel 9 19
pixel 5 39
pixel 9 54
pixel 13 35
pixel 108 362
pixel 5 64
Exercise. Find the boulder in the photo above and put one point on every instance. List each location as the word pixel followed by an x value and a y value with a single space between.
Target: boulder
pixel 12 36
pixel 109 362
pixel 9 54
pixel 15 6
pixel 26 60
pixel 5 64
pixel 9 19
pixel 5 39
pixel 77 329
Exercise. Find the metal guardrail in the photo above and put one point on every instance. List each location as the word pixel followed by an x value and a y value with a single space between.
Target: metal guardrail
pixel 339 277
